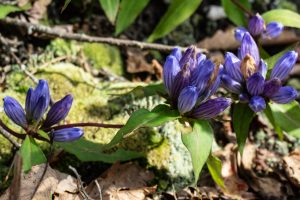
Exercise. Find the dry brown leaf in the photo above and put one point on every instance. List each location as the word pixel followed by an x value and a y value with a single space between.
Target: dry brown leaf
pixel 136 62
pixel 51 181
pixel 291 164
pixel 123 181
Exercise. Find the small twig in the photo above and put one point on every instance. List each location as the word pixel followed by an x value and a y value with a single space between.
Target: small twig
pixel 242 7
pixel 9 138
pixel 31 28
pixel 17 135
pixel 80 185
pixel 93 124
pixel 99 189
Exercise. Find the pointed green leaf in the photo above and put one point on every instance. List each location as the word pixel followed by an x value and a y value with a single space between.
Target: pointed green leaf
pixel 287 116
pixel 270 116
pixel 43 134
pixel 241 119
pixel 158 116
pixel 89 151
pixel 178 12
pixel 286 17
pixel 110 7
pixel 198 143
pixel 234 13
pixel 67 2
pixel 31 154
pixel 214 165
pixel 129 10
pixel 6 9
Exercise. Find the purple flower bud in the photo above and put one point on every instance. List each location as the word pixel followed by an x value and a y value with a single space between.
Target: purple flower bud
pixel 255 84
pixel 284 95
pixel 58 111
pixel 256 25
pixel 271 87
pixel 210 108
pixel 181 80
pixel 188 55
pixel 200 58
pixel 187 99
pixel 249 47
pixel 262 68
pixel 239 33
pixel 284 65
pixel 67 134
pixel 231 84
pixel 14 111
pixel 176 52
pixel 257 103
pixel 170 70
pixel 244 97
pixel 202 74
pixel 40 109
pixel 273 29
pixel 232 67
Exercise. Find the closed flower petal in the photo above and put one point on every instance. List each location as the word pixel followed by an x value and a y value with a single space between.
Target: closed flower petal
pixel 58 111
pixel 244 97
pixel 187 99
pixel 262 68
pixel 210 108
pixel 285 95
pixel 181 80
pixel 271 87
pixel 239 33
pixel 40 109
pixel 187 56
pixel 230 84
pixel 284 65
pixel 232 67
pixel 256 25
pixel 176 52
pixel 67 134
pixel 200 58
pixel 273 29
pixel 202 74
pixel 170 70
pixel 255 84
pixel 28 108
pixel 257 103
pixel 249 47
pixel 14 111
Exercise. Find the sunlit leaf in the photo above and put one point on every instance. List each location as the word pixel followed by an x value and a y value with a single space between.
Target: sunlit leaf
pixel 6 9
pixel 214 165
pixel 234 13
pixel 269 113
pixel 199 143
pixel 286 17
pixel 110 7
pixel 129 10
pixel 67 2
pixel 178 12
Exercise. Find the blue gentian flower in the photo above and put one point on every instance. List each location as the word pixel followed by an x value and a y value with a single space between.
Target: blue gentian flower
pixel 36 105
pixel 190 80
pixel 258 28
pixel 245 76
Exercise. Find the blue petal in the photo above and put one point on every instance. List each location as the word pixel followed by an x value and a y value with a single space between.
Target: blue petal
pixel 67 134
pixel 239 33
pixel 273 29
pixel 232 67
pixel 176 52
pixel 200 58
pixel 188 54
pixel 244 97
pixel 271 87
pixel 256 25
pixel 28 108
pixel 284 65
pixel 40 109
pixel 285 95
pixel 257 103
pixel 181 80
pixel 170 70
pixel 187 99
pixel 14 111
pixel 58 111
pixel 255 84
pixel 230 84
pixel 202 74
pixel 249 47
pixel 262 68
pixel 210 108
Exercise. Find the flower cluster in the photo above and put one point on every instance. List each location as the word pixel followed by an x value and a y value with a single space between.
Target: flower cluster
pixel 36 105
pixel 258 28
pixel 190 79
pixel 245 75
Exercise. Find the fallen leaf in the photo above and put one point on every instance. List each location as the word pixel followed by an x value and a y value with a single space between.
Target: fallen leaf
pixel 291 165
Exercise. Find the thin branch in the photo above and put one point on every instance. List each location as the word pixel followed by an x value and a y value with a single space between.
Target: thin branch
pixel 31 28
pixel 10 131
pixel 84 124
pixel 242 7
pixel 9 138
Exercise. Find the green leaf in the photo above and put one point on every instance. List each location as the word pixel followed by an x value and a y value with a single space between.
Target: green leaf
pixel 31 154
pixel 286 17
pixel 149 90
pixel 214 166
pixel 158 116
pixel 110 7
pixel 129 10
pixel 88 151
pixel 198 143
pixel 43 134
pixel 234 13
pixel 178 12
pixel 271 118
pixel 67 2
pixel 7 9
pixel 287 116
pixel 241 119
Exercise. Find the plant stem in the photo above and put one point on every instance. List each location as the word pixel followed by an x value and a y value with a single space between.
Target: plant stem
pixel 84 124
pixel 17 135
pixel 242 7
